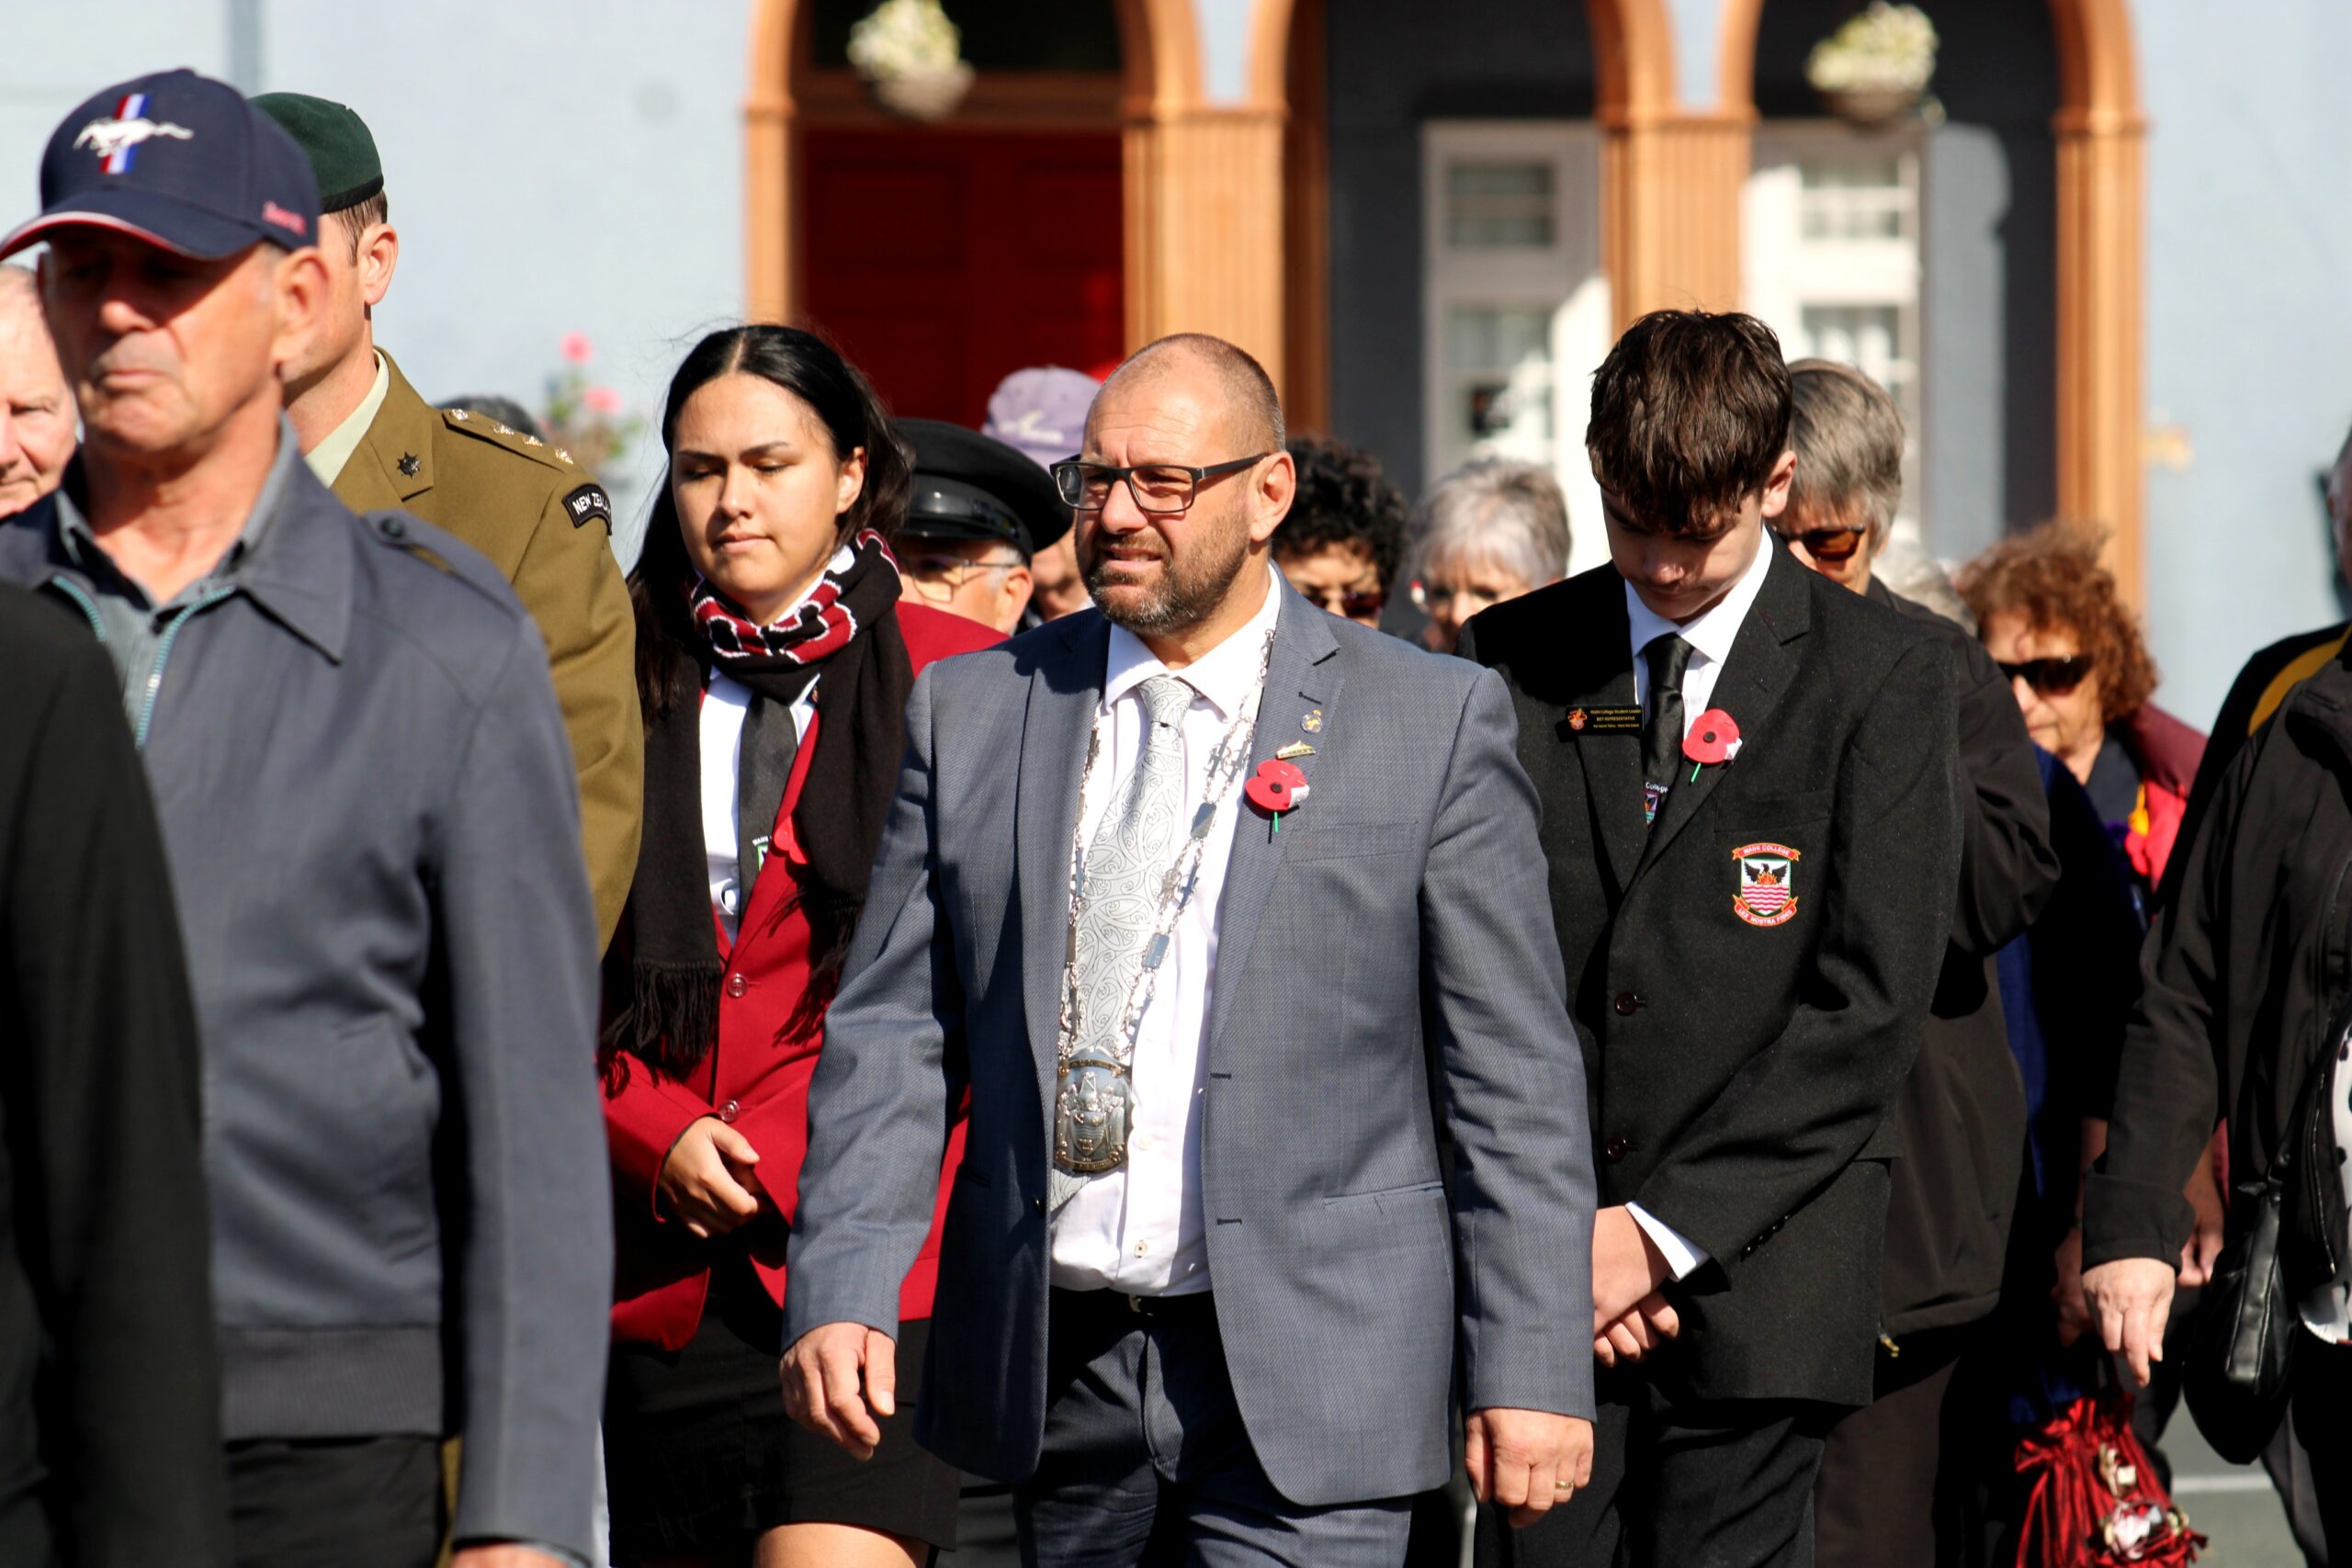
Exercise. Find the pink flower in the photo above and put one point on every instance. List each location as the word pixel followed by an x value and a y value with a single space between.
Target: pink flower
pixel 602 400
pixel 577 348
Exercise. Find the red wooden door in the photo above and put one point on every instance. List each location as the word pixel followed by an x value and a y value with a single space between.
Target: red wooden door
pixel 941 261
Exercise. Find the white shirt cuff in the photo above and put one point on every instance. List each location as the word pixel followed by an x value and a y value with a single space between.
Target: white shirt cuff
pixel 1681 1256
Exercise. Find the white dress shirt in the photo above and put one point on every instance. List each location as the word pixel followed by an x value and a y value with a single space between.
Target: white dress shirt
pixel 1140 1228
pixel 1709 635
pixel 724 706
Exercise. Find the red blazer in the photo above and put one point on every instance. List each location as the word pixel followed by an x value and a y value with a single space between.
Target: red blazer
pixel 756 1079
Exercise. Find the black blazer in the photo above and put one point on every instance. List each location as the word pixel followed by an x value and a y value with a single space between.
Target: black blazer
pixel 109 1389
pixel 1741 1056
pixel 1962 1114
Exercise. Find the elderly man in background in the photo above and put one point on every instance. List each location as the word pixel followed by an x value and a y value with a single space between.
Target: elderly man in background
pixel 1490 530
pixel 979 514
pixel 36 405
pixel 370 828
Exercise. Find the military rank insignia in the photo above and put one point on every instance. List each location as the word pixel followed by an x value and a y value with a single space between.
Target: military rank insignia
pixel 1766 894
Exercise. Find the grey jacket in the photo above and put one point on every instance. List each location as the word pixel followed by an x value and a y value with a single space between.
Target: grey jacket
pixel 1393 935
pixel 373 831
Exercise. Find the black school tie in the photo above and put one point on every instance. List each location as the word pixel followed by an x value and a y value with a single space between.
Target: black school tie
pixel 1668 657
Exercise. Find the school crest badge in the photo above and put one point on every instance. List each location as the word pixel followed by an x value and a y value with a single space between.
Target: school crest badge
pixel 1766 894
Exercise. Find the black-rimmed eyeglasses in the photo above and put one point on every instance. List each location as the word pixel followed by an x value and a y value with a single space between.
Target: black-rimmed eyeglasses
pixel 1161 488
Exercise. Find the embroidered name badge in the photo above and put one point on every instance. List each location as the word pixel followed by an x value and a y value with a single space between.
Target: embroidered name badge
pixel 1766 894
pixel 1604 721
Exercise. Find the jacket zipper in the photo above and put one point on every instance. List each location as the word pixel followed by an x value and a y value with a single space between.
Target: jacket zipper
pixel 67 587
pixel 162 653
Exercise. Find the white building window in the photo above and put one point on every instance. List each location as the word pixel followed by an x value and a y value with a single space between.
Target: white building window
pixel 1831 262
pixel 1516 311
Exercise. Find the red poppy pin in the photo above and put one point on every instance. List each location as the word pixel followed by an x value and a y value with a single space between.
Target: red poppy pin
pixel 1713 738
pixel 1276 787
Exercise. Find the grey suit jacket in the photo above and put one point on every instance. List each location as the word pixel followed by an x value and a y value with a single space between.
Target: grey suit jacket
pixel 1385 961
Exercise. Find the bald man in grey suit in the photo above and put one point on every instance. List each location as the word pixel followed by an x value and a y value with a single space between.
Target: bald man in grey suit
pixel 1230 915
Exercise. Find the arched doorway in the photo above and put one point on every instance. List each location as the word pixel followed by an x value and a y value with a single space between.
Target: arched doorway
pixel 943 256
pixel 1198 221
pixel 2099 259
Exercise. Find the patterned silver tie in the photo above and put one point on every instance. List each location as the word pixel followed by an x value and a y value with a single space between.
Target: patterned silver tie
pixel 1125 877
pixel 1127 862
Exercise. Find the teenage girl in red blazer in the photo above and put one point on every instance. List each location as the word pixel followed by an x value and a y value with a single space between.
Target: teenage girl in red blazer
pixel 775 658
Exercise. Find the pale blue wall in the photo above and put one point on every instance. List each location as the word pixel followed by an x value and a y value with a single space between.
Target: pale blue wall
pixel 553 165
pixel 2249 309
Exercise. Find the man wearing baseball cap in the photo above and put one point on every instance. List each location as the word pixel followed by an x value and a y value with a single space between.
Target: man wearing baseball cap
pixel 371 834
pixel 545 522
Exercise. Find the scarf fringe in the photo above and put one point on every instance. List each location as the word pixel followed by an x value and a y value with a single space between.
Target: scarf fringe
pixel 671 1019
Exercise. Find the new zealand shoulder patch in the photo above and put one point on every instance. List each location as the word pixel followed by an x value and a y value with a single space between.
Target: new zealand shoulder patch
pixel 1766 894
pixel 590 503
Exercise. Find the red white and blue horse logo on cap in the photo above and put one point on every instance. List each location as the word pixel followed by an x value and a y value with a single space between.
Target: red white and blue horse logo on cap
pixel 116 140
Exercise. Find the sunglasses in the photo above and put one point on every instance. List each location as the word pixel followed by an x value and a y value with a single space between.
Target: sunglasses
pixel 1830 545
pixel 2050 677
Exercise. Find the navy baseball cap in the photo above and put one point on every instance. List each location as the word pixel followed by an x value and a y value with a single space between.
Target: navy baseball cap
pixel 180 161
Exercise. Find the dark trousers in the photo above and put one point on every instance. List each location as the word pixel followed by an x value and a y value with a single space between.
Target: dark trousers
pixel 335 1502
pixel 2322 1380
pixel 1147 1462
pixel 1883 1495
pixel 1679 1485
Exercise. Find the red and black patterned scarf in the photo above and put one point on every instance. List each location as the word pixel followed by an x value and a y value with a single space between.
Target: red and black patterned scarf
pixel 845 631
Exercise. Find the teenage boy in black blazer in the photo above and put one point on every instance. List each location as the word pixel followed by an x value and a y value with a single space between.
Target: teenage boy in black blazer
pixel 1753 911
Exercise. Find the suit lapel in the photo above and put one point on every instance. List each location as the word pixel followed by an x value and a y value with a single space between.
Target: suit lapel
pixel 1612 761
pixel 1302 679
pixel 1753 680
pixel 1065 689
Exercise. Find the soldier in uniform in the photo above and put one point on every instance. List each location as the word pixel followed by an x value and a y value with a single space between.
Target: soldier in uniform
pixel 546 524
pixel 980 513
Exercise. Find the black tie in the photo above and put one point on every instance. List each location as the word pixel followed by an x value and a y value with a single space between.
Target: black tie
pixel 763 768
pixel 1668 657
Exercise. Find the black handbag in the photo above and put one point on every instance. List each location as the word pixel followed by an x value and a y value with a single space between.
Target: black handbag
pixel 2282 1232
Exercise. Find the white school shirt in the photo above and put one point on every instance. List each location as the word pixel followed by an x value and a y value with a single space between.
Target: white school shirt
pixel 724 706
pixel 1139 1229
pixel 1710 636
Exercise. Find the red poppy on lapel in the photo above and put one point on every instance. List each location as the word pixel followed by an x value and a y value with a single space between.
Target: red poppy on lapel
pixel 1713 738
pixel 1276 787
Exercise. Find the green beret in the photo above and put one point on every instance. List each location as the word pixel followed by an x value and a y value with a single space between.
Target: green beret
pixel 336 140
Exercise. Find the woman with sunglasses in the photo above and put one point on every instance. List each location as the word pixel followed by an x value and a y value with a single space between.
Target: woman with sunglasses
pixel 2053 618
pixel 1345 531
pixel 774 656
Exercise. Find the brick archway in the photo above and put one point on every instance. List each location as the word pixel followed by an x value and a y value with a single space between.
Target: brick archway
pixel 2101 261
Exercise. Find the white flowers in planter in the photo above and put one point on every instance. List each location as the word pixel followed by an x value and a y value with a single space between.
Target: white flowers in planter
pixel 1886 49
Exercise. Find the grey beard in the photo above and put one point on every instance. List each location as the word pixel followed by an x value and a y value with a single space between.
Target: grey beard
pixel 1188 594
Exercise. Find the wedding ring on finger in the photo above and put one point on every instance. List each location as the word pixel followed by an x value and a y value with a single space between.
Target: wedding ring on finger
pixel 1564 1487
